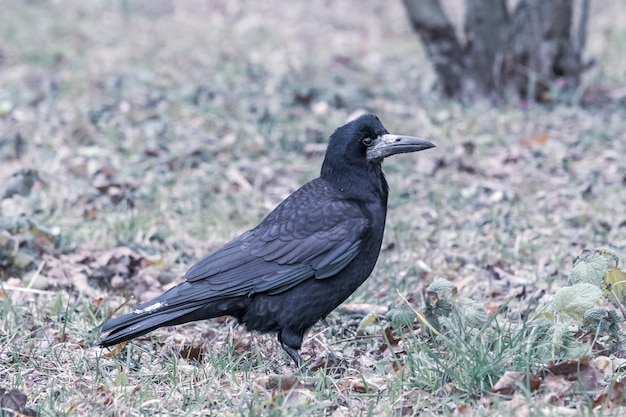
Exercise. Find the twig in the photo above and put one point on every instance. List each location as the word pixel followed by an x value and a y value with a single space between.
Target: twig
pixel 29 290
pixel 36 275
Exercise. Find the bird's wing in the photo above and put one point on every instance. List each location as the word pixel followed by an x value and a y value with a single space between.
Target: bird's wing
pixel 314 232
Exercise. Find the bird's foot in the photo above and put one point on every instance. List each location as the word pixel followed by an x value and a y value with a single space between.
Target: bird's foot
pixel 293 353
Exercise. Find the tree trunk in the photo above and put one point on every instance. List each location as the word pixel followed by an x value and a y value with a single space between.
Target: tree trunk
pixel 442 46
pixel 485 21
pixel 533 53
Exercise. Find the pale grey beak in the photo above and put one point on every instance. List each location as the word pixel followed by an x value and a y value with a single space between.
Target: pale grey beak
pixel 387 145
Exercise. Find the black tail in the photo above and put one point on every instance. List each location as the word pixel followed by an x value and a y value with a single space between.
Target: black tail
pixel 176 306
pixel 179 305
pixel 132 325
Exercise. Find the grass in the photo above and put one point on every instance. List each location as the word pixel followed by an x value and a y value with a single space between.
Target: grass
pixel 161 130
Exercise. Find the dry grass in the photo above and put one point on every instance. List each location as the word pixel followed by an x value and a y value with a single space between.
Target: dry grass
pixel 160 130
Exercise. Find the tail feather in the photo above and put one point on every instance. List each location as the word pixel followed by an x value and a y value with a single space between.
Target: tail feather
pixel 132 325
pixel 167 309
pixel 158 313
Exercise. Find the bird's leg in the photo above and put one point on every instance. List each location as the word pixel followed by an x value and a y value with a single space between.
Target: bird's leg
pixel 291 344
pixel 293 353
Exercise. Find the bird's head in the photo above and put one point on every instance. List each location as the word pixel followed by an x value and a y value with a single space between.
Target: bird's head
pixel 365 142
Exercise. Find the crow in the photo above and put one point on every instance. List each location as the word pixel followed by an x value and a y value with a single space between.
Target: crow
pixel 303 260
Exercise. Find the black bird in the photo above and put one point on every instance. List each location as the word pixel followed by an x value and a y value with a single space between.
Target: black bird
pixel 303 260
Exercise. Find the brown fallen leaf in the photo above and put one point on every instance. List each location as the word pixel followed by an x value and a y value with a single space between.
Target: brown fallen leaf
pixel 579 372
pixel 60 337
pixel 104 395
pixel 117 349
pixel 241 342
pixel 390 339
pixel 195 352
pixel 612 395
pixel 97 302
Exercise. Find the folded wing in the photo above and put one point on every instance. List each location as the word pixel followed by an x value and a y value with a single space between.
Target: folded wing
pixel 313 233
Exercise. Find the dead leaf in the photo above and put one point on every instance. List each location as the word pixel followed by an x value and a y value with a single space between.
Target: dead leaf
pixel 556 387
pixel 241 342
pixel 104 395
pixel 509 383
pixel 361 385
pixel 390 338
pixel 324 360
pixel 288 380
pixel 97 302
pixel 405 408
pixel 277 383
pixel 117 349
pixel 493 307
pixel 612 395
pixel 567 367
pixel 578 371
pixel 13 401
pixel 60 337
pixel 195 352
pixel 535 140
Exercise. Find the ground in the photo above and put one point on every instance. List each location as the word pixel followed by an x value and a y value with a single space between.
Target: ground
pixel 136 136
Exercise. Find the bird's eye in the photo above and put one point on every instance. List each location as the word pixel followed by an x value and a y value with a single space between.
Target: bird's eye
pixel 368 141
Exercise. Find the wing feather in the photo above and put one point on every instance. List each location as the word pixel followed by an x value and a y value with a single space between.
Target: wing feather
pixel 313 233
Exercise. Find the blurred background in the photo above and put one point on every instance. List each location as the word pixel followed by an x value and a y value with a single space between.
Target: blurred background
pixel 137 135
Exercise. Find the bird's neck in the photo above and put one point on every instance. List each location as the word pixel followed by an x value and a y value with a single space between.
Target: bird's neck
pixel 365 183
